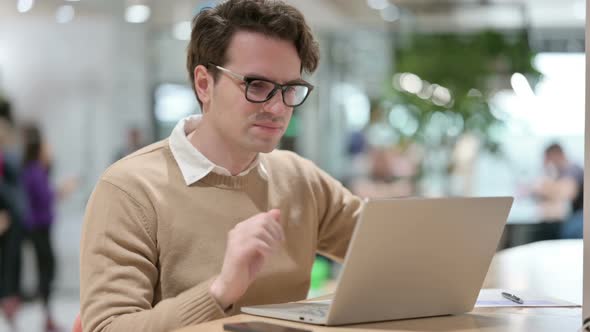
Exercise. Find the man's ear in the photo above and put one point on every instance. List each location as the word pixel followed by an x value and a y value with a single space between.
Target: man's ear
pixel 203 84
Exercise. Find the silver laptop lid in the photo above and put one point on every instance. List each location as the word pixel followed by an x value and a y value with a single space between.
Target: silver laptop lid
pixel 418 257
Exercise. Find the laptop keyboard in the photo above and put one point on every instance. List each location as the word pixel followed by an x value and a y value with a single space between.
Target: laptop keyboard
pixel 311 309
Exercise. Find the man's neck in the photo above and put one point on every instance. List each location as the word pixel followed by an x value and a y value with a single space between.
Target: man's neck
pixel 213 146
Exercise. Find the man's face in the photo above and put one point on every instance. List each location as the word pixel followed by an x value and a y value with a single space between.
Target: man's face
pixel 243 125
pixel 554 159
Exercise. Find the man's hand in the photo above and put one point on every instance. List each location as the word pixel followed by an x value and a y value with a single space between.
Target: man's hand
pixel 249 244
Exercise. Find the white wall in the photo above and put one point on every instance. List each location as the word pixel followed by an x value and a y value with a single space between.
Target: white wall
pixel 84 82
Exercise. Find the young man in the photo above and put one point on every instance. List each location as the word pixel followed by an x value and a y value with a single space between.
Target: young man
pixel 192 228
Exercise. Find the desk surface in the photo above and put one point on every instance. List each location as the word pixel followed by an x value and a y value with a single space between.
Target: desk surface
pixel 550 268
pixel 516 268
pixel 481 319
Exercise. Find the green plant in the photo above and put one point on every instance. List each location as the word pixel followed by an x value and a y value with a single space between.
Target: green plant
pixel 465 65
pixel 464 70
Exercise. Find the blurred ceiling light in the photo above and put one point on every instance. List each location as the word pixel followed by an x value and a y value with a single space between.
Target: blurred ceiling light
pixel 356 105
pixel 456 123
pixel 411 127
pixel 137 13
pixel 378 4
pixel 410 82
pixel 427 90
pixel 24 6
pixel 358 110
pixel 182 30
pixel 64 14
pixel 441 96
pixel 521 86
pixel 73 0
pixel 381 134
pixel 399 116
pixel 390 13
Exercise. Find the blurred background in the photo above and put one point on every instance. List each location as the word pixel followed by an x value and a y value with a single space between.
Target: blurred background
pixel 413 98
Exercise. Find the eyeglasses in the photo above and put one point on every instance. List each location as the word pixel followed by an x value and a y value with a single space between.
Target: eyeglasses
pixel 260 90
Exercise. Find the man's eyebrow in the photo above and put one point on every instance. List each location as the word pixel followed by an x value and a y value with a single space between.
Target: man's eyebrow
pixel 257 76
pixel 261 77
pixel 296 81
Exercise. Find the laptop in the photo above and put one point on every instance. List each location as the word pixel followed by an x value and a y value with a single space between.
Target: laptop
pixel 408 258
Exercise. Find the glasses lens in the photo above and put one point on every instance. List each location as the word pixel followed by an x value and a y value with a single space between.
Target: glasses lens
pixel 259 90
pixel 293 95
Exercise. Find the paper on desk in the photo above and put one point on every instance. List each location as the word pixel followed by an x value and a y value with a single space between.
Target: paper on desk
pixel 492 297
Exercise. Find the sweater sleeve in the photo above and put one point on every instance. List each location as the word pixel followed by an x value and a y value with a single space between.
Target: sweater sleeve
pixel 119 271
pixel 338 211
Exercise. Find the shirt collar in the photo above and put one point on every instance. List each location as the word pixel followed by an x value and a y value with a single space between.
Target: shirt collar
pixel 192 163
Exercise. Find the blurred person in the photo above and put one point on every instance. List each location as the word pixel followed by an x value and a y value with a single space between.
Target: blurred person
pixel 194 227
pixel 356 150
pixel 134 142
pixel 563 182
pixel 12 211
pixel 391 173
pixel 9 302
pixel 4 218
pixel 41 196
pixel 9 310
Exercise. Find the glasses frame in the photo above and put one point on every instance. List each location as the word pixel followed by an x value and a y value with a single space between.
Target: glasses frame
pixel 283 87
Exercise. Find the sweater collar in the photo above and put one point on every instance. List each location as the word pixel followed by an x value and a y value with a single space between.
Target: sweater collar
pixel 193 165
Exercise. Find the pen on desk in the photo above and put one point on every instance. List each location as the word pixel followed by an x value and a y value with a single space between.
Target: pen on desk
pixel 512 298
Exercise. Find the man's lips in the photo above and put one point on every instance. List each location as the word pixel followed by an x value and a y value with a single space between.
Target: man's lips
pixel 276 126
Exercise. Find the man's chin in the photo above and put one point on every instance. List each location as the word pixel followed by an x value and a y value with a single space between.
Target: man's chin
pixel 265 147
pixel 268 149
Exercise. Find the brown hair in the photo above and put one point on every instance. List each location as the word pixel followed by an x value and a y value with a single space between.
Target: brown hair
pixel 554 148
pixel 214 27
pixel 32 144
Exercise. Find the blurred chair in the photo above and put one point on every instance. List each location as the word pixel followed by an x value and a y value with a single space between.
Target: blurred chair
pixel 551 268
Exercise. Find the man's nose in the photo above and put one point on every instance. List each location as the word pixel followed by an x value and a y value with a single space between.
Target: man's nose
pixel 275 104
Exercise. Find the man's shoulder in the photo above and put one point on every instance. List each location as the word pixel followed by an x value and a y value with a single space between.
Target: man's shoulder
pixel 287 158
pixel 148 162
pixel 286 162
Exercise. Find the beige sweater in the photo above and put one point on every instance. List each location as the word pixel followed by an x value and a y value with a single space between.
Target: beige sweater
pixel 151 245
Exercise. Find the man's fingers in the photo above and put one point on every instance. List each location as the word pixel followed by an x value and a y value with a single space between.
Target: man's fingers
pixel 265 235
pixel 278 231
pixel 274 228
pixel 278 227
pixel 275 214
pixel 263 248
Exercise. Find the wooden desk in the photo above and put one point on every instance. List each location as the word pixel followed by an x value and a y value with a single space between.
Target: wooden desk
pixel 482 319
pixel 517 269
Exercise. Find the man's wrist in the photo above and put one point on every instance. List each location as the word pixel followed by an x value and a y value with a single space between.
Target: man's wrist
pixel 218 290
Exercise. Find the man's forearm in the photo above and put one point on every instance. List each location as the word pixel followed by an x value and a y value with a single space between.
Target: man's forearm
pixel 196 305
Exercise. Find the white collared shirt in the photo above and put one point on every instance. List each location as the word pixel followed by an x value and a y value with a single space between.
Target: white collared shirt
pixel 192 163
